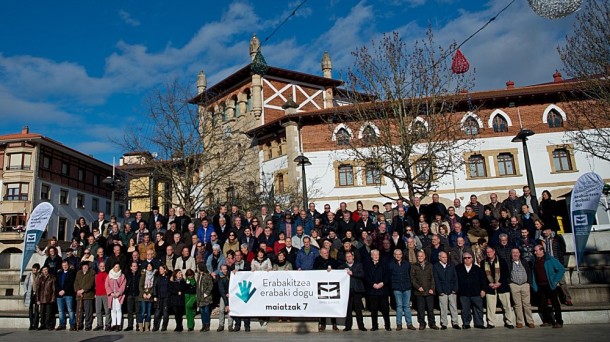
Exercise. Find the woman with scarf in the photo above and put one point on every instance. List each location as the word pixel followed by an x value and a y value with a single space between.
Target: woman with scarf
pixel 190 299
pixel 115 287
pixel 147 286
pixel 203 296
pixel 176 297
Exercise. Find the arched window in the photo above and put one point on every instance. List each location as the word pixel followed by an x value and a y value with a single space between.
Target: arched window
pixel 500 124
pixel 476 166
pixel 237 110
pixel 369 135
pixel 343 137
pixel 561 159
pixel 471 126
pixel 554 119
pixel 223 112
pixel 506 164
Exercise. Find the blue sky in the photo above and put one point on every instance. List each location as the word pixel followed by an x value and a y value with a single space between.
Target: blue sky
pixel 79 71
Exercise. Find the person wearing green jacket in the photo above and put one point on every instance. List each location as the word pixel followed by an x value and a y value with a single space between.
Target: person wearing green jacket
pixel 190 299
pixel 205 284
pixel 547 273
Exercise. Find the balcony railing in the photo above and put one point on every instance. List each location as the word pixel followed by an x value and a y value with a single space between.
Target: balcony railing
pixel 18 168
pixel 16 197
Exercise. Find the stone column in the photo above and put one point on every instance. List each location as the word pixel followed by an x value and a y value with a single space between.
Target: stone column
pixel 292 151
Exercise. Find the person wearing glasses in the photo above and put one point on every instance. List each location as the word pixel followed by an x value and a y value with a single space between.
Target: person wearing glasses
pixel 471 284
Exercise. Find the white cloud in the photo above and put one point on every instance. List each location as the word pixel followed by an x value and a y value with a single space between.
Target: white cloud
pixel 128 19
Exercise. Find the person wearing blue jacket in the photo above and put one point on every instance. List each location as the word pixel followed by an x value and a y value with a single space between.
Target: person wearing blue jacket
pixel 306 255
pixel 446 283
pixel 547 273
pixel 400 275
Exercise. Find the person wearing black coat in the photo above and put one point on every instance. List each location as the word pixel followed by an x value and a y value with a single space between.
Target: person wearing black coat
pixel 356 290
pixel 471 288
pixel 497 276
pixel 64 295
pixel 176 297
pixel 400 275
pixel 446 283
pixel 132 292
pixel 377 289
pixel 161 298
pixel 325 262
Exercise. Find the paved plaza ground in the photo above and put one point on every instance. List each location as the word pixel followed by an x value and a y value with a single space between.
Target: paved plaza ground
pixel 584 332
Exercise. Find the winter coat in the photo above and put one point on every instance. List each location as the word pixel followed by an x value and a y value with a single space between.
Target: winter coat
pixel 147 290
pixel 30 287
pixel 85 282
pixel 46 289
pixel 205 284
pixel 445 279
pixel 554 272
pixel 68 283
pixel 116 286
pixel 176 293
pixel 400 275
pixel 422 277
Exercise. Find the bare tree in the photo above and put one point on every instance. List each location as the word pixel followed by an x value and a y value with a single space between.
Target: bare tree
pixel 586 58
pixel 405 97
pixel 193 153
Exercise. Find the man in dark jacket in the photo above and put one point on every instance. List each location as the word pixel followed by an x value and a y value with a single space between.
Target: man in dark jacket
pixel 422 280
pixel 45 297
pixel 400 275
pixel 378 284
pixel 356 289
pixel 547 274
pixel 496 274
pixel 84 285
pixel 132 292
pixel 64 290
pixel 446 285
pixel 325 262
pixel 161 299
pixel 471 285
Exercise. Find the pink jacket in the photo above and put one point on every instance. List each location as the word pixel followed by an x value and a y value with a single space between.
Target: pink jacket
pixel 115 285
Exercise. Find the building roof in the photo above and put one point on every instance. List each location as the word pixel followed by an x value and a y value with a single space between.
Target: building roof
pixel 35 137
pixel 242 76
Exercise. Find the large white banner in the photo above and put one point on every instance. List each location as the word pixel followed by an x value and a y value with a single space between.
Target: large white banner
pixel 289 293
pixel 33 232
pixel 583 206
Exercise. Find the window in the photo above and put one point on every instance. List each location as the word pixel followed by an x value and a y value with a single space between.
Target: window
pixel 95 204
pixel 506 164
pixel 108 207
pixel 96 180
pixel 45 192
pixel 476 166
pixel 423 170
pixel 17 191
pixel 561 159
pixel 46 162
pixel 63 196
pixel 62 225
pixel 471 126
pixel 81 174
pixel 65 169
pixel 500 124
pixel 280 183
pixel 343 137
pixel 122 210
pixel 554 119
pixel 80 201
pixel 369 135
pixel 346 175
pixel 19 161
pixel 279 149
pixel 373 174
pixel 14 220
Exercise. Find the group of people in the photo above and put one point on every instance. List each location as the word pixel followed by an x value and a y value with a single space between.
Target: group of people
pixel 471 256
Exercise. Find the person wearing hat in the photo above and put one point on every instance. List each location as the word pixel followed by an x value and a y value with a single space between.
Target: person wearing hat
pixel 215 260
pixel 84 285
pixel 155 217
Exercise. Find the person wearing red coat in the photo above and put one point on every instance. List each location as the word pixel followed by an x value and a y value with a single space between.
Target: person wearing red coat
pixel 115 288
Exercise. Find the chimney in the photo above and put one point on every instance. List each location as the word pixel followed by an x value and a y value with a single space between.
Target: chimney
pixel 327 65
pixel 201 82
pixel 557 77
pixel 25 130
pixel 510 85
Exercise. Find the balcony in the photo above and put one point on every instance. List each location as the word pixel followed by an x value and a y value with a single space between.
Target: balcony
pixel 19 168
pixel 23 197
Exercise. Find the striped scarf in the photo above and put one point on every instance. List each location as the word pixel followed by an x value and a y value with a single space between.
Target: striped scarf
pixel 496 276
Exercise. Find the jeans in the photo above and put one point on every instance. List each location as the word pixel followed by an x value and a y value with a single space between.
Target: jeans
pixel 205 314
pixel 403 301
pixel 62 303
pixel 145 309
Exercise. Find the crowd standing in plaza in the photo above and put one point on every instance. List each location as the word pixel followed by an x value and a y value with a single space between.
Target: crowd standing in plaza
pixel 474 256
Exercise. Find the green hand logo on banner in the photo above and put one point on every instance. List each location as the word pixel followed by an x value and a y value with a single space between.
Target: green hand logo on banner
pixel 246 291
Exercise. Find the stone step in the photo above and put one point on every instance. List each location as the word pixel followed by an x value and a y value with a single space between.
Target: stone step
pixel 9 288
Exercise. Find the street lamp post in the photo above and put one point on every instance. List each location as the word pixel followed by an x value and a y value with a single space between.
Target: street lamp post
pixel 112 181
pixel 303 161
pixel 522 138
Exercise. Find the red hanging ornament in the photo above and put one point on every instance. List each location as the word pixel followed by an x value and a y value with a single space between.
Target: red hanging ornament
pixel 460 64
